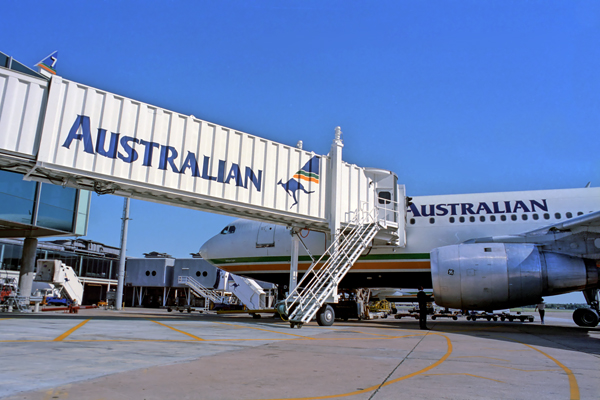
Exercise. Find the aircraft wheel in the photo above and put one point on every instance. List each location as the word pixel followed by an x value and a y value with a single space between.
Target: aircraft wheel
pixel 586 317
pixel 455 318
pixel 325 316
pixel 433 318
pixel 256 316
pixel 502 318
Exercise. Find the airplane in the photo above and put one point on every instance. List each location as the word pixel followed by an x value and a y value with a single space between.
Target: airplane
pixel 483 251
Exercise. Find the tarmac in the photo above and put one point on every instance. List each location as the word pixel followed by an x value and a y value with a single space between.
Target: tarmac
pixel 153 354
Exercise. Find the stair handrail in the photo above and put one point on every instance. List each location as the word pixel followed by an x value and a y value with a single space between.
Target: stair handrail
pixel 344 243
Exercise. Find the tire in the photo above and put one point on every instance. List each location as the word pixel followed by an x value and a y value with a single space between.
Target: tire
pixel 325 316
pixel 455 318
pixel 586 317
pixel 433 318
pixel 502 318
pixel 256 316
pixel 495 319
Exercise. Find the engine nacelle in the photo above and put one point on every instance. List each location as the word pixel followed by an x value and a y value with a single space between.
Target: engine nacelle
pixel 491 276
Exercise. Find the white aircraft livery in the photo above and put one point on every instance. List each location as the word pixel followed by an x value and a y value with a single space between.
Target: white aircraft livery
pixel 477 251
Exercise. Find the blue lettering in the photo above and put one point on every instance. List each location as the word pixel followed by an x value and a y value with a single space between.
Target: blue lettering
pixel 235 173
pixel 453 206
pixel 543 207
pixel 440 207
pixel 256 181
pixel 85 134
pixel 520 205
pixel 496 209
pixel 507 206
pixel 414 210
pixel 424 211
pixel 483 207
pixel 131 154
pixel 205 174
pixel 168 154
pixel 112 149
pixel 467 208
pixel 221 171
pixel 191 163
pixel 148 151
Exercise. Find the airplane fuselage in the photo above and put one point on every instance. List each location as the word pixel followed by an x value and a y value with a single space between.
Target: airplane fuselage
pixel 262 251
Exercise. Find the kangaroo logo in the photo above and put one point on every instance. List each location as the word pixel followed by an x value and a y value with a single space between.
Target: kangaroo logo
pixel 309 173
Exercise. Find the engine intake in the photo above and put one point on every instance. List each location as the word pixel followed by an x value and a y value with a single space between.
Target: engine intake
pixel 491 276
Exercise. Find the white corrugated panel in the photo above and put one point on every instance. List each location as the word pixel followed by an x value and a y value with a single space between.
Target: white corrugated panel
pixel 22 101
pixel 355 191
pixel 102 135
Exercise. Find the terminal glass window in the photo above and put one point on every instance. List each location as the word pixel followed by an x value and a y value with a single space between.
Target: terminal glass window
pixel 57 207
pixel 17 198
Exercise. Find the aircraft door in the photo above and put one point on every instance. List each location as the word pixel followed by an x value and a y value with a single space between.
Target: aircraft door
pixel 266 235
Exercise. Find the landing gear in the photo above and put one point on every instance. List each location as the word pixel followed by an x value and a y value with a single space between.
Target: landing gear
pixel 586 317
pixel 325 315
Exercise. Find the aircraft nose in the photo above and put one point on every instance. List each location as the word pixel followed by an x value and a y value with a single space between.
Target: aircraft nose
pixel 204 250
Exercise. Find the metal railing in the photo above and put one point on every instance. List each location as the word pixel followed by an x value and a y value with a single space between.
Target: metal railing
pixel 200 290
pixel 323 276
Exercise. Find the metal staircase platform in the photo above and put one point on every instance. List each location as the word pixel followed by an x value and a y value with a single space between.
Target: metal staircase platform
pixel 200 290
pixel 321 280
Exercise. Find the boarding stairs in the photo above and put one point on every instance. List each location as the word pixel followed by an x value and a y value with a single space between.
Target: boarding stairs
pixel 200 290
pixel 321 280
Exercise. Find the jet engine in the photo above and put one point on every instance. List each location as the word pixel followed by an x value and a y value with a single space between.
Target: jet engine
pixel 491 276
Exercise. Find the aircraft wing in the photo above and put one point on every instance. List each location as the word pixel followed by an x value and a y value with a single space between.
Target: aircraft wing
pixel 578 236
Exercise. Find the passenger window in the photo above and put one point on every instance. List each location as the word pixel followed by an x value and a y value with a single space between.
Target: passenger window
pixel 536 217
pixel 232 229
pixel 569 215
pixel 546 216
pixel 524 216
pixel 503 217
pixel 431 220
pixel 513 217
pixel 557 215
pixel 385 197
pixel 482 218
pixel 412 221
pixel 492 218
pixel 451 220
pixel 462 219
pixel 579 213
pixel 472 219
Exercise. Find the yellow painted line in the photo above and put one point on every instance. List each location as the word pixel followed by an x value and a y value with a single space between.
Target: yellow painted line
pixel 261 329
pixel 525 370
pixel 574 388
pixel 177 330
pixel 491 358
pixel 67 333
pixel 471 375
pixel 375 387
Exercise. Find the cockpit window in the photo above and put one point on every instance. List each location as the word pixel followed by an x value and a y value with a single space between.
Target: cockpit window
pixel 228 229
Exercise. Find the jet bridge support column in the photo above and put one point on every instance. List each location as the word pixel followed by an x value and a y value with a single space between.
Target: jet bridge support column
pixel 294 261
pixel 27 267
pixel 335 158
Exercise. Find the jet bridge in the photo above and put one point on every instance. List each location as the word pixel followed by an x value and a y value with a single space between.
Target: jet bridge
pixel 70 134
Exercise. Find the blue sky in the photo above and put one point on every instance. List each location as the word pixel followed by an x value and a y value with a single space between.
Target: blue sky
pixel 454 96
